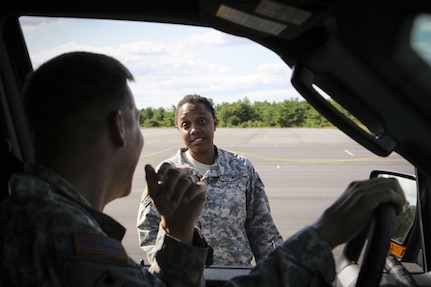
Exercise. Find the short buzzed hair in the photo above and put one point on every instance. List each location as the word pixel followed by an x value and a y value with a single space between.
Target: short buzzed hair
pixel 72 91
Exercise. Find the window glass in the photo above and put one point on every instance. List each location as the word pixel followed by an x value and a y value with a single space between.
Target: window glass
pixel 421 37
pixel 167 60
pixel 304 166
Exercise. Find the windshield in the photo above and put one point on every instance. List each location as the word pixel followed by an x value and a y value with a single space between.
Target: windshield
pixel 304 162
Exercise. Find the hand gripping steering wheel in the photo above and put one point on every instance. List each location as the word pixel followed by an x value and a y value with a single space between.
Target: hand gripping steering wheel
pixel 378 235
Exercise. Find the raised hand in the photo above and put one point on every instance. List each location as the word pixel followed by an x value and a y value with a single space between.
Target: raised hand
pixel 178 197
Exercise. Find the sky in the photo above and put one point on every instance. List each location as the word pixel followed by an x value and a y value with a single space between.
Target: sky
pixel 169 61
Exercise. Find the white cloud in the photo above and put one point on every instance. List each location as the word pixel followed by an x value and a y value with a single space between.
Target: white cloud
pixel 33 24
pixel 203 61
pixel 210 38
pixel 46 54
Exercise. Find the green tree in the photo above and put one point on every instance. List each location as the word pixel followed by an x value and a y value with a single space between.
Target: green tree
pixel 169 117
pixel 313 119
pixel 290 113
pixel 225 115
pixel 145 114
pixel 403 223
pixel 243 113
pixel 243 110
pixel 264 114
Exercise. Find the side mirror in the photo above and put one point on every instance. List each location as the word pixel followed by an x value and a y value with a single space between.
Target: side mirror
pixel 405 220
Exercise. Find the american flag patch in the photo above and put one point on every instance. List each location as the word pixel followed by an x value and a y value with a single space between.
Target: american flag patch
pixel 96 245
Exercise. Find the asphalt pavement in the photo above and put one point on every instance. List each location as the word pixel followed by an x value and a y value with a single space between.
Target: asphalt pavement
pixel 304 171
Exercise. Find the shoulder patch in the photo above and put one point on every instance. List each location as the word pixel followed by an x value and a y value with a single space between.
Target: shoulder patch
pixel 100 246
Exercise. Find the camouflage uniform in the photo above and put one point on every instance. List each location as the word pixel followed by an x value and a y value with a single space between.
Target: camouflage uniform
pixel 236 221
pixel 303 260
pixel 51 236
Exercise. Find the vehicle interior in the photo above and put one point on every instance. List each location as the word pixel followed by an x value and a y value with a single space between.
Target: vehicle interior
pixel 358 53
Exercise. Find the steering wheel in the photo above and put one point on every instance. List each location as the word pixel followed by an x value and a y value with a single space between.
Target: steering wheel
pixel 379 235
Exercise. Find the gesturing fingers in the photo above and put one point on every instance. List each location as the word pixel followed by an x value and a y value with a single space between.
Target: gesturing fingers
pixel 152 180
pixel 197 190
pixel 163 170
pixel 175 184
pixel 171 186
pixel 178 196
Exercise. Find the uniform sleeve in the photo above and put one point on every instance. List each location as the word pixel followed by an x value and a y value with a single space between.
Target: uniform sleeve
pixel 98 260
pixel 148 225
pixel 148 218
pixel 180 264
pixel 262 233
pixel 303 260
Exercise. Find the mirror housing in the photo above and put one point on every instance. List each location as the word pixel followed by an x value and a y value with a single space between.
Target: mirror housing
pixel 405 220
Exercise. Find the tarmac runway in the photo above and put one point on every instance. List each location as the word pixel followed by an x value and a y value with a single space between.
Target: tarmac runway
pixel 304 171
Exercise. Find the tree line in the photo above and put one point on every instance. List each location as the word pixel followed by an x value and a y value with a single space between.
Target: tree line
pixel 245 114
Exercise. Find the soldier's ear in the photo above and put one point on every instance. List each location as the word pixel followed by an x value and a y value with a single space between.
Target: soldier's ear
pixel 215 123
pixel 117 129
